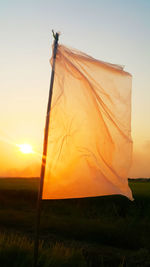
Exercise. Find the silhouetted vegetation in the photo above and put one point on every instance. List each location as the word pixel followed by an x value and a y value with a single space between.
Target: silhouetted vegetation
pixel 100 231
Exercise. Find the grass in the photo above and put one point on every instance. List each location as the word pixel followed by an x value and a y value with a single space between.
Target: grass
pixel 16 251
pixel 101 231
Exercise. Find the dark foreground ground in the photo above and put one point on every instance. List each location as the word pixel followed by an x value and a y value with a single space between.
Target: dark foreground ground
pixel 101 231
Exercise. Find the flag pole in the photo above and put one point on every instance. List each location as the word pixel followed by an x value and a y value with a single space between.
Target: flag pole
pixel 37 224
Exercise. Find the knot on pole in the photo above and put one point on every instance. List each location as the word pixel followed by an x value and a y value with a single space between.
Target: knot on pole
pixel 55 35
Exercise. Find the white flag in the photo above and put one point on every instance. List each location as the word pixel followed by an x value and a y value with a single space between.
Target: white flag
pixel 89 142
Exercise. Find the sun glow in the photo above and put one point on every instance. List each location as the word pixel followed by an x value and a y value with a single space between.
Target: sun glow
pixel 26 148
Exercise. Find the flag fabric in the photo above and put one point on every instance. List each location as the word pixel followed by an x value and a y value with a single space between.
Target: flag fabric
pixel 89 142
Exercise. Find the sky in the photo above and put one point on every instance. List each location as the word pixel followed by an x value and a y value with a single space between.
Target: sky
pixel 115 31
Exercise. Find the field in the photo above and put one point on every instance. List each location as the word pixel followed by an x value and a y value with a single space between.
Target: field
pixel 101 231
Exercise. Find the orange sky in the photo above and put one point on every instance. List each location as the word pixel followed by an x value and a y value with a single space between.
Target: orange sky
pixel 118 33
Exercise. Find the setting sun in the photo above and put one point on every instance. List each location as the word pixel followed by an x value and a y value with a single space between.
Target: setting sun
pixel 26 148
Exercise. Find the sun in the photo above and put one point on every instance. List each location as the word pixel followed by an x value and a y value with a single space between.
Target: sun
pixel 25 148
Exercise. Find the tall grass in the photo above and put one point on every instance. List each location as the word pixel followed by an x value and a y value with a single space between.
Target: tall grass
pixel 103 231
pixel 17 251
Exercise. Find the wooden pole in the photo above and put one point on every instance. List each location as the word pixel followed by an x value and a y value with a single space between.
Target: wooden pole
pixel 37 225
